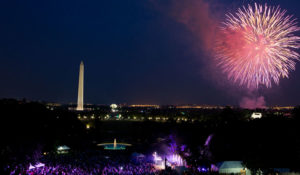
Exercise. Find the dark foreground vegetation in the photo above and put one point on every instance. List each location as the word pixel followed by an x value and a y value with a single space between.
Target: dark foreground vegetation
pixel 28 129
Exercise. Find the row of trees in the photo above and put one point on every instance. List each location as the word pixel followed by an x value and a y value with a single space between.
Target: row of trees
pixel 272 141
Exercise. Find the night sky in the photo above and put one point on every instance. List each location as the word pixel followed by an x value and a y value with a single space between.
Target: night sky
pixel 134 51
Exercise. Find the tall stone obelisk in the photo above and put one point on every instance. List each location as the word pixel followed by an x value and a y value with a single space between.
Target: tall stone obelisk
pixel 80 88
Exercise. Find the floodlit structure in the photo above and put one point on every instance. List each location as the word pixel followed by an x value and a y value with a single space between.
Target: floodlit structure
pixel 176 160
pixel 80 88
pixel 256 115
pixel 159 163
pixel 114 108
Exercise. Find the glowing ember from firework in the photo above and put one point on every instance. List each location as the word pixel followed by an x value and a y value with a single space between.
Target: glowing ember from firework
pixel 257 46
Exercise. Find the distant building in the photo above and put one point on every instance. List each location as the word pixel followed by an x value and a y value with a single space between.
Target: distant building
pixel 256 115
pixel 198 107
pixel 114 108
pixel 143 106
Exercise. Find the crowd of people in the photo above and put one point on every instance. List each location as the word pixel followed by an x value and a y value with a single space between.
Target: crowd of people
pixel 127 169
pixel 84 164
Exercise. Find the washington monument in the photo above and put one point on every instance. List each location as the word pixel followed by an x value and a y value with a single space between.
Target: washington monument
pixel 80 88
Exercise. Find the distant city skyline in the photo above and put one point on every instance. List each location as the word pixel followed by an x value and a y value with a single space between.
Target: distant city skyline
pixel 133 51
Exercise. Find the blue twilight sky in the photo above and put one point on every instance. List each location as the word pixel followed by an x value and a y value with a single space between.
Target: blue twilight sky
pixel 133 51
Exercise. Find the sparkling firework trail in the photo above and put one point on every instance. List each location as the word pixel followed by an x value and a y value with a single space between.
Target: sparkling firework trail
pixel 257 46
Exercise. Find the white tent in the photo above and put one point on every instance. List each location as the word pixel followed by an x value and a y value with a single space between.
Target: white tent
pixel 62 149
pixel 233 167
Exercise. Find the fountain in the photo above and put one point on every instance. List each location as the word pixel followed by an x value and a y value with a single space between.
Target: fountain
pixel 114 145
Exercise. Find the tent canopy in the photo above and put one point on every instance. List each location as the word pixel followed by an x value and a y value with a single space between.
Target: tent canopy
pixel 63 148
pixel 229 167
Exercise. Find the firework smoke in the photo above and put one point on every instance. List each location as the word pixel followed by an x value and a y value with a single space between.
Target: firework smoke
pixel 253 102
pixel 196 15
pixel 257 46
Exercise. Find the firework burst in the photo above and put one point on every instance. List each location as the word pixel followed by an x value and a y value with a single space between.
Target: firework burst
pixel 257 45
